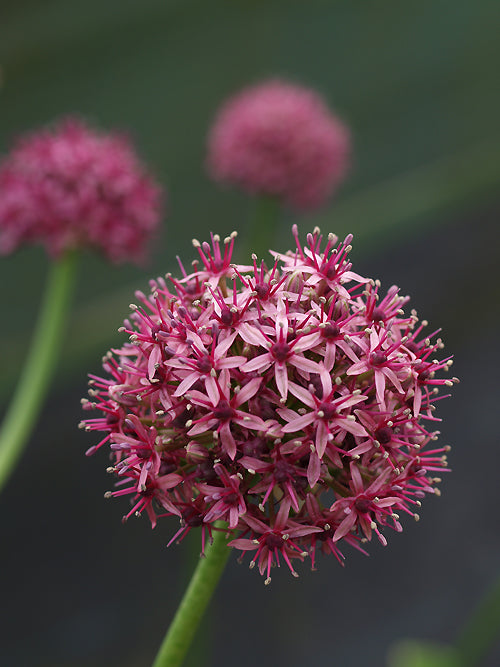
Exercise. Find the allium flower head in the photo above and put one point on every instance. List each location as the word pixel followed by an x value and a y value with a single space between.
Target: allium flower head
pixel 295 403
pixel 70 186
pixel 281 140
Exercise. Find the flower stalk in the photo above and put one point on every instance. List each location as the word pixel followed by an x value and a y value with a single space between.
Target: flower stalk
pixel 39 366
pixel 196 598
pixel 264 223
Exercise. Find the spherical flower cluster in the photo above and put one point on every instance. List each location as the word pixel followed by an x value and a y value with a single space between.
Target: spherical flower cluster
pixel 70 186
pixel 294 403
pixel 280 140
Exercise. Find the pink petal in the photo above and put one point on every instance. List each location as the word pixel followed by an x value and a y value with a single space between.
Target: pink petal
pixel 302 394
pixel 380 387
pixel 281 375
pixel 252 335
pixel 322 433
pixel 313 469
pixel 212 390
pixel 357 368
pixel 227 441
pixel 243 544
pixel 260 363
pixel 299 423
pixel 350 426
pixel 224 345
pixel 329 360
pixel 345 527
pixel 305 364
pixel 186 384
pixel 248 391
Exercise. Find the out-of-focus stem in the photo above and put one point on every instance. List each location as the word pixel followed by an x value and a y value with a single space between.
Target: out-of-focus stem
pixel 262 228
pixel 41 359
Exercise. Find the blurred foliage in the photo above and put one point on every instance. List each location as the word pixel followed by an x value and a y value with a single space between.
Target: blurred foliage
pixel 411 653
pixel 416 82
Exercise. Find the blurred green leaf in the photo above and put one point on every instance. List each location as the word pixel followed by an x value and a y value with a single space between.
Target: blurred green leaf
pixel 411 653
pixel 413 200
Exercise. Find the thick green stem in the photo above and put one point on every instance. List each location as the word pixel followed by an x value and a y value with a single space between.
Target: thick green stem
pixel 262 228
pixel 193 604
pixel 481 631
pixel 27 401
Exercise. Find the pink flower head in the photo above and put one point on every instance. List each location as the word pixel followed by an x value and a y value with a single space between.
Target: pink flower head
pixel 280 140
pixel 70 186
pixel 294 403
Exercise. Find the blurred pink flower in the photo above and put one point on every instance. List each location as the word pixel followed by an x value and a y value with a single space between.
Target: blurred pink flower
pixel 70 186
pixel 280 140
pixel 293 403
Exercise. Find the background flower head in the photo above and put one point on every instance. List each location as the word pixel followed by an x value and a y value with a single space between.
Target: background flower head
pixel 281 140
pixel 70 186
pixel 295 402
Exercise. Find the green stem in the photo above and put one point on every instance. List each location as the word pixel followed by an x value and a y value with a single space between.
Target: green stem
pixel 481 631
pixel 262 229
pixel 193 604
pixel 27 401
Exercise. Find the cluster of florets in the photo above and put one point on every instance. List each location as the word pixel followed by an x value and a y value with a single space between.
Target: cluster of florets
pixel 294 403
pixel 70 187
pixel 280 140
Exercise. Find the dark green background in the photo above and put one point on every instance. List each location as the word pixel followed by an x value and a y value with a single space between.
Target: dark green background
pixel 417 82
